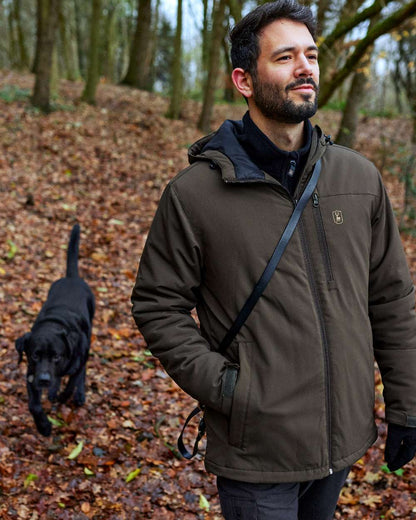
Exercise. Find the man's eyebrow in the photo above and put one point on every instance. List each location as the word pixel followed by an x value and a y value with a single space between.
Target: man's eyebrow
pixel 291 48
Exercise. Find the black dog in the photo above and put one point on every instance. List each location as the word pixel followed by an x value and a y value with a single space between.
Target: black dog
pixel 59 341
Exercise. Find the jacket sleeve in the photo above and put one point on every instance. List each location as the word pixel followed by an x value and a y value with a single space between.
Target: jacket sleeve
pixel 163 297
pixel 392 315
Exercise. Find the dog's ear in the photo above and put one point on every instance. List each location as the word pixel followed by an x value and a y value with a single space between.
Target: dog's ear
pixel 71 340
pixel 21 343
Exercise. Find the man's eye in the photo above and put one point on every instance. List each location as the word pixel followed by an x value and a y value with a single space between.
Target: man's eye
pixel 284 58
pixel 313 57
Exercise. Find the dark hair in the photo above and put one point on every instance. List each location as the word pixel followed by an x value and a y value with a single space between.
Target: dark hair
pixel 244 37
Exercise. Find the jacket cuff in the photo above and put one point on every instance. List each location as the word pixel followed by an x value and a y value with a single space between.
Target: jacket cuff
pixel 401 418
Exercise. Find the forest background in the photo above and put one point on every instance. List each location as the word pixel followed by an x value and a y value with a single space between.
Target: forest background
pixel 99 101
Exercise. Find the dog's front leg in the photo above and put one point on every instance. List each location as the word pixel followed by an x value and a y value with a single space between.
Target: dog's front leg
pixel 43 425
pixel 76 383
pixel 79 396
pixel 69 389
pixel 53 391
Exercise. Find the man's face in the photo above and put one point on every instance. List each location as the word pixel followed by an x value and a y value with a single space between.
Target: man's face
pixel 285 86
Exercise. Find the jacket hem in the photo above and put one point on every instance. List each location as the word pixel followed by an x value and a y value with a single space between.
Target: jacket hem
pixel 401 418
pixel 276 477
pixel 351 459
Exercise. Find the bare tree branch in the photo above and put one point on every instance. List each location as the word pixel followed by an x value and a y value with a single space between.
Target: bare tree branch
pixel 382 27
pixel 345 26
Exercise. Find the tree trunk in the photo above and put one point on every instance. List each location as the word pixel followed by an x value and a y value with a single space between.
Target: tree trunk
pixel 39 30
pixel 67 31
pixel 348 128
pixel 82 13
pixel 93 74
pixel 405 70
pixel 350 116
pixel 229 90
pixel 204 122
pixel 124 30
pixel 205 32
pixel 5 54
pixel 47 21
pixel 12 41
pixel 154 35
pixel 110 44
pixel 414 127
pixel 139 65
pixel 323 12
pixel 175 106
pixel 54 82
pixel 235 7
pixel 23 61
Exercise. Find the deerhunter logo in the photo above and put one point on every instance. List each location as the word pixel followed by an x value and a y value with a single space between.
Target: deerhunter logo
pixel 338 216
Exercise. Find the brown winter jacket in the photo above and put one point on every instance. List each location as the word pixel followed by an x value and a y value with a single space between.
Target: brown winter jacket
pixel 303 402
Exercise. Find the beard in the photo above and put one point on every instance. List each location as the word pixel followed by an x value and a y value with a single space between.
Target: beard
pixel 274 103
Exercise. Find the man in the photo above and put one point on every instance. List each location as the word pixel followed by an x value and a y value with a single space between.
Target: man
pixel 289 406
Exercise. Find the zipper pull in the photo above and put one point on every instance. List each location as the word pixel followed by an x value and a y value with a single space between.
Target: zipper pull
pixel 315 200
pixel 292 168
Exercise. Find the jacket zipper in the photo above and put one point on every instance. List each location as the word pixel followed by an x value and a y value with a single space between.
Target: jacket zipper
pixel 292 168
pixel 313 285
pixel 312 281
pixel 323 244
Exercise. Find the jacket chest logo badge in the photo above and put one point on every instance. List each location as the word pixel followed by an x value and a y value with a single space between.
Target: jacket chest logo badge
pixel 338 217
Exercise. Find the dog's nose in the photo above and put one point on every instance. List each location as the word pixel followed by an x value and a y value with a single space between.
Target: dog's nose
pixel 44 379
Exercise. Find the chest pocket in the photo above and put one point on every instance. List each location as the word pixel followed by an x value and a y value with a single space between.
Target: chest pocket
pixel 338 219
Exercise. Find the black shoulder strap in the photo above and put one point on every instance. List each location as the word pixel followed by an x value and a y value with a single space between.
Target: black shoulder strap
pixel 274 260
pixel 255 295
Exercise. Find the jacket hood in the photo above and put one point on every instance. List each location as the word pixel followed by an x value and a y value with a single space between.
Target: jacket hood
pixel 223 148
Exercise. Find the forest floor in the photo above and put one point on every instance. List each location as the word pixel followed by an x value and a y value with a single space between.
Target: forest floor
pixel 106 167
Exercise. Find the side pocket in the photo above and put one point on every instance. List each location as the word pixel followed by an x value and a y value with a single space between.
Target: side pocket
pixel 229 381
pixel 241 397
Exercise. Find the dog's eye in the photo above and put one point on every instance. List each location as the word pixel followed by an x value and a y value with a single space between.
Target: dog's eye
pixel 35 356
pixel 56 358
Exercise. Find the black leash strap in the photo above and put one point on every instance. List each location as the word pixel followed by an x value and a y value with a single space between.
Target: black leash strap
pixel 201 431
pixel 255 295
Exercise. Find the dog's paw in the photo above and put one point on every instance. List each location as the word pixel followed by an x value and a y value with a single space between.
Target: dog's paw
pixel 44 427
pixel 63 397
pixel 79 399
pixel 53 396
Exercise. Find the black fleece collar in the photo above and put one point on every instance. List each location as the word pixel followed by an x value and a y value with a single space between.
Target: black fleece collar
pixel 285 167
pixel 223 148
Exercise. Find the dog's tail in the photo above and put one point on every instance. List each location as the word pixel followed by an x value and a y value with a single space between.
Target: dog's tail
pixel 72 254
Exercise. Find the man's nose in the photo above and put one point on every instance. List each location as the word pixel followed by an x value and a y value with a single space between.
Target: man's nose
pixel 304 67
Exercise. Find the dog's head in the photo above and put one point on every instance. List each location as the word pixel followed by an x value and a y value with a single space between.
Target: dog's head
pixel 48 355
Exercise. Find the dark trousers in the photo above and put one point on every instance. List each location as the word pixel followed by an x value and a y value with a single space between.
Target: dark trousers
pixel 313 500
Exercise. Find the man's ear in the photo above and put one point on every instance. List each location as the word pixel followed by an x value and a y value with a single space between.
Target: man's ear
pixel 242 82
pixel 21 343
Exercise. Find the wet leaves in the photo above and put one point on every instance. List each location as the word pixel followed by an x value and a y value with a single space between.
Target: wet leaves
pixel 76 451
